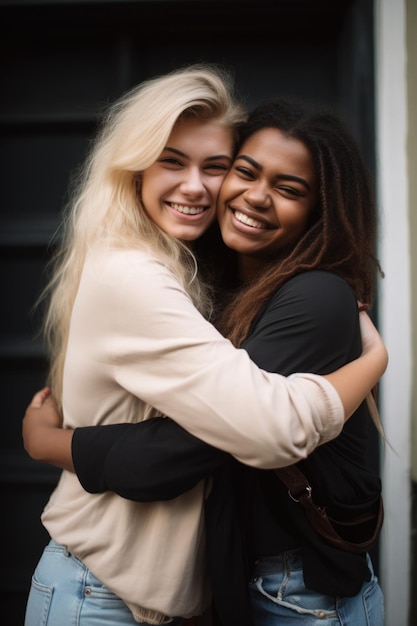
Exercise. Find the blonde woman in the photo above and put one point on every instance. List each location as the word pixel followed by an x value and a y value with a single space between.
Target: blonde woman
pixel 128 331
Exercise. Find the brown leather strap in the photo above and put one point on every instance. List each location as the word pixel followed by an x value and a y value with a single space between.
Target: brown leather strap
pixel 300 491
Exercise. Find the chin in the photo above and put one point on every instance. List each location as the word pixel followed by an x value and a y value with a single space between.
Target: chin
pixel 187 236
pixel 236 242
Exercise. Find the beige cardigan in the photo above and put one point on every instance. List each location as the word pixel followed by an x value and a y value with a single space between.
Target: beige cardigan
pixel 136 338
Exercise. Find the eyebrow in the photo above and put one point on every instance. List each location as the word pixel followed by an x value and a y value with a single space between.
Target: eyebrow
pixel 258 167
pixel 214 157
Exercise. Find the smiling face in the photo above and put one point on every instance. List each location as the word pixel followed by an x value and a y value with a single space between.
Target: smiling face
pixel 267 198
pixel 179 191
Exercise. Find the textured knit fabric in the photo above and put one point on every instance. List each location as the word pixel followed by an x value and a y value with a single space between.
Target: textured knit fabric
pixel 135 337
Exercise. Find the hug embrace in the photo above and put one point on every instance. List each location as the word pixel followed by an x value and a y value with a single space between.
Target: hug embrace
pixel 204 331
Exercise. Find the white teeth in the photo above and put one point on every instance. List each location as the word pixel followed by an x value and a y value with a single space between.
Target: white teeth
pixel 249 221
pixel 187 210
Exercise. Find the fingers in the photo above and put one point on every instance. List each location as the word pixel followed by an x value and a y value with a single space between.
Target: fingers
pixel 40 397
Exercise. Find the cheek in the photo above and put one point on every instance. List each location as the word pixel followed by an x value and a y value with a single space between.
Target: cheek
pixel 215 186
pixel 155 186
pixel 228 191
pixel 296 219
pixel 212 218
pixel 220 208
pixel 146 186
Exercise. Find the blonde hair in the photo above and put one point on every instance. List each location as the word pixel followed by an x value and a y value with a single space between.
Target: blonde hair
pixel 106 209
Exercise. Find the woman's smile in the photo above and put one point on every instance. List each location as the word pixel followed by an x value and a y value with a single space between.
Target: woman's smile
pixel 247 220
pixel 268 196
pixel 187 210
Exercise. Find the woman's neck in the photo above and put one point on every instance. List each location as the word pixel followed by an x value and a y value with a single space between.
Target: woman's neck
pixel 249 267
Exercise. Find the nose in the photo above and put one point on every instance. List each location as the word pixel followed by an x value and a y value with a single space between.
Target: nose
pixel 258 195
pixel 192 184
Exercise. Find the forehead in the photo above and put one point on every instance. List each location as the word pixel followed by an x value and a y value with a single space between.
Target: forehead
pixel 208 137
pixel 272 149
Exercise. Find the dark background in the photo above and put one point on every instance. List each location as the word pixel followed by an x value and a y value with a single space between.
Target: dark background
pixel 60 62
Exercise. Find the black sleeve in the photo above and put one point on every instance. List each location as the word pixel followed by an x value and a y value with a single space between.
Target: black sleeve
pixel 152 460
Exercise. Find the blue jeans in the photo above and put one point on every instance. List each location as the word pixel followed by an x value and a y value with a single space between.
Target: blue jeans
pixel 64 592
pixel 279 597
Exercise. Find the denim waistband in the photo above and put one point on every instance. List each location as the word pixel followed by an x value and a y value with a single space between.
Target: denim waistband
pixel 284 562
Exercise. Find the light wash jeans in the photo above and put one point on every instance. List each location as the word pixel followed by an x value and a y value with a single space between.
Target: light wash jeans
pixel 65 593
pixel 279 598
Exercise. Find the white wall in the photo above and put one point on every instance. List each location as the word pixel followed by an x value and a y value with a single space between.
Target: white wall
pixel 394 302
pixel 412 178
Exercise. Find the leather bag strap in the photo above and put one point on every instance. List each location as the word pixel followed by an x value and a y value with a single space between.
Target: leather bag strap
pixel 300 491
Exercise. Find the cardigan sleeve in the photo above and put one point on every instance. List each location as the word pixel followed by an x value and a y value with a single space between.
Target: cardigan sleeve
pixel 167 354
pixel 312 318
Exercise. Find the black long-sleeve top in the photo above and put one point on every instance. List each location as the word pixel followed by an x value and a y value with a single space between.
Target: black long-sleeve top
pixel 311 324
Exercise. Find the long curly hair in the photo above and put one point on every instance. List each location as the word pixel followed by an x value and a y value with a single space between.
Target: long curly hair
pixel 341 236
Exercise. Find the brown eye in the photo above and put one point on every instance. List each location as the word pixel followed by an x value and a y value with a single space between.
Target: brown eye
pixel 217 167
pixel 245 172
pixel 290 191
pixel 171 161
